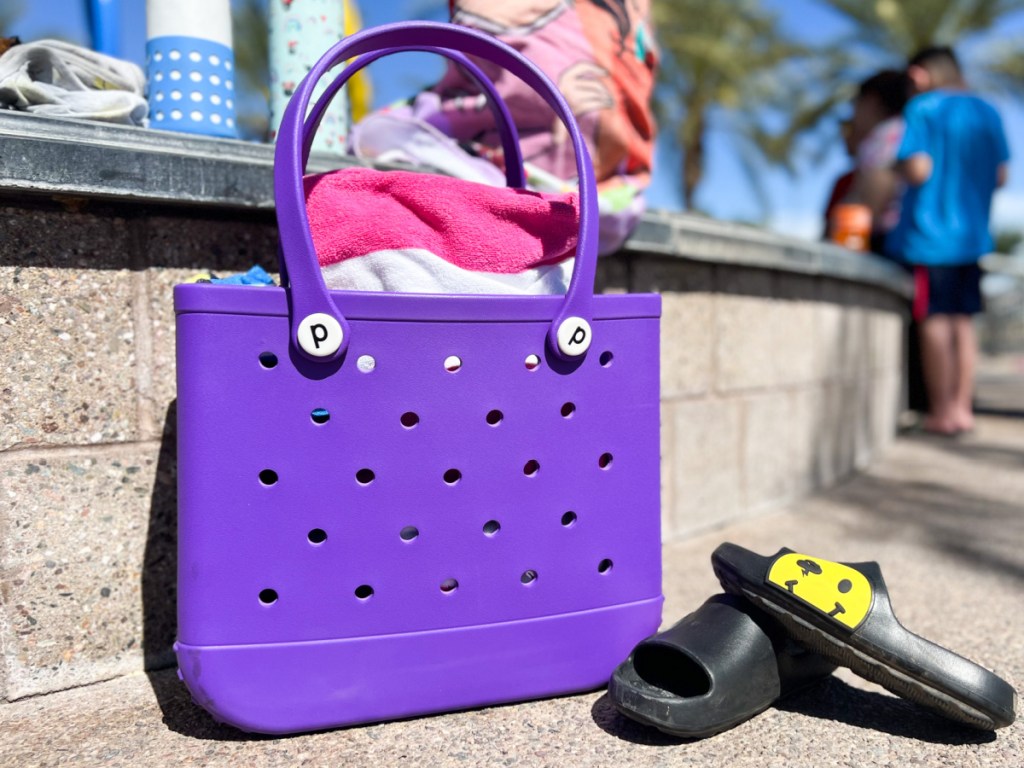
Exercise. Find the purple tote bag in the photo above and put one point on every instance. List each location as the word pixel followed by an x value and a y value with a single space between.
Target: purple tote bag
pixel 397 504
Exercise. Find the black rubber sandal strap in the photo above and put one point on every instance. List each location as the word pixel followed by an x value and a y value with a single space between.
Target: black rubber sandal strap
pixel 847 617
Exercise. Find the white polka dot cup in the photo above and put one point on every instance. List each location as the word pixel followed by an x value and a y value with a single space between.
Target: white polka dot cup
pixel 191 86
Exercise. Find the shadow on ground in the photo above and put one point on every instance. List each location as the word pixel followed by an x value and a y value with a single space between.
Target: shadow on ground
pixel 999 455
pixel 832 700
pixel 614 723
pixel 835 700
pixel 982 531
pixel 184 716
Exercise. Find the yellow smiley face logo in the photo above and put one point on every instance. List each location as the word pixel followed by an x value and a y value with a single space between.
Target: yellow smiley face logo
pixel 837 590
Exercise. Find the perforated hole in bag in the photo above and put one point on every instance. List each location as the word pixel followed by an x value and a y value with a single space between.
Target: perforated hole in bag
pixel 449 585
pixel 317 536
pixel 452 476
pixel 409 419
pixel 567 410
pixel 495 417
pixel 606 359
pixel 491 527
pixel 409 533
pixel 604 460
pixel 365 476
pixel 268 596
pixel 528 577
pixel 604 566
pixel 364 592
pixel 320 415
pixel 531 468
pixel 268 477
pixel 569 519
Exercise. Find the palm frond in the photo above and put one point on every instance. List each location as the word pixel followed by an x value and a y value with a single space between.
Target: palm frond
pixel 779 96
pixel 10 12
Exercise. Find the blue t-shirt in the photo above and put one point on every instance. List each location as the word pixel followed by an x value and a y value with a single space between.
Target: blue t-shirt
pixel 945 221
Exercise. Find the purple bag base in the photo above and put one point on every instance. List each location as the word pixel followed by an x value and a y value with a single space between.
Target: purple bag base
pixel 279 688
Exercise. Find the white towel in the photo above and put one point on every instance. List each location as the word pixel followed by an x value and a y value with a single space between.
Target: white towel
pixel 50 77
pixel 417 270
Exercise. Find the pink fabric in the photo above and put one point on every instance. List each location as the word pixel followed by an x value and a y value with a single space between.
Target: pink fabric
pixel 357 211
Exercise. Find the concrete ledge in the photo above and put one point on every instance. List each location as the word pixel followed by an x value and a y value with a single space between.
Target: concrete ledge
pixel 72 157
pixel 781 373
pixel 721 242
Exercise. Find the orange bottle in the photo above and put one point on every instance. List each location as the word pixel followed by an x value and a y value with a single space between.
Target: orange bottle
pixel 851 226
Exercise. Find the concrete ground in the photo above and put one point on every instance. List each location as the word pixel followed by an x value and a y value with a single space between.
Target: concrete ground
pixel 945 518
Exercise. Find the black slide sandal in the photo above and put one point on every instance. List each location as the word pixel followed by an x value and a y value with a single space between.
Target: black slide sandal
pixel 714 669
pixel 843 612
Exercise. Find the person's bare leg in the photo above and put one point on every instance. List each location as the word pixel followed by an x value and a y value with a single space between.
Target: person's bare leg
pixel 938 361
pixel 966 342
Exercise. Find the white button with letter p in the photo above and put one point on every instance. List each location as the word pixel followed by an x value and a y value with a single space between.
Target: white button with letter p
pixel 574 336
pixel 320 335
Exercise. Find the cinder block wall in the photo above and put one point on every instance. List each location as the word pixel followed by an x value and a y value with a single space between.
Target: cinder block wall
pixel 774 384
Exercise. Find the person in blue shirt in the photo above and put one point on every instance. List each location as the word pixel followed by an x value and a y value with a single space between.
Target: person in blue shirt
pixel 953 157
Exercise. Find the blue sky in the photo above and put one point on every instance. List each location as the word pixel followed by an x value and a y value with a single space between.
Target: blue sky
pixel 796 201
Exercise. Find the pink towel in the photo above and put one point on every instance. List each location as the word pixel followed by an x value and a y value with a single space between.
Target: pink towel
pixel 359 212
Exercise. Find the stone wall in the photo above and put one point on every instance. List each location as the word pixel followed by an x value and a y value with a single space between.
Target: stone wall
pixel 780 374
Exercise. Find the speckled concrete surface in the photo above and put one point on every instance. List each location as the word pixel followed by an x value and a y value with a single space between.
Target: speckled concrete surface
pixel 944 518
pixel 84 566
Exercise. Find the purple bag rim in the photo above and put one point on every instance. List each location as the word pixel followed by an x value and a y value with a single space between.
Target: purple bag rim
pixel 270 301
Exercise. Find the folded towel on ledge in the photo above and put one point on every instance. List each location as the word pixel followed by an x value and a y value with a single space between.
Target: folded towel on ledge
pixel 50 77
pixel 411 232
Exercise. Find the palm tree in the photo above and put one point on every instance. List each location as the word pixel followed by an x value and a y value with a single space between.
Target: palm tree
pixel 251 35
pixel 888 28
pixel 8 14
pixel 1007 241
pixel 885 33
pixel 729 62
pixel 722 64
pixel 1005 66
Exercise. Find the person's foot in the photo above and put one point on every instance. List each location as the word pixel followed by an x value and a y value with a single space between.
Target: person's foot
pixel 964 421
pixel 946 426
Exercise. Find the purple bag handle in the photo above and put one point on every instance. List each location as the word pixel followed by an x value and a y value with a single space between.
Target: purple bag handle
pixel 515 175
pixel 319 330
